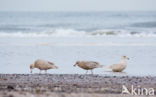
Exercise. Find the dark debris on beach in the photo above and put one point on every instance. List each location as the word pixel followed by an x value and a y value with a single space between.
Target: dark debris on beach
pixel 73 84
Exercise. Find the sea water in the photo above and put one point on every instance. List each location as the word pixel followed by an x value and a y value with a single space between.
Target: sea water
pixel 78 23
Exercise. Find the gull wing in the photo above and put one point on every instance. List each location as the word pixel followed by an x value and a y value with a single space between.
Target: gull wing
pixel 92 64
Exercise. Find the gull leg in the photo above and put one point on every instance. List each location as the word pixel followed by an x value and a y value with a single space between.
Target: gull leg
pixel 92 72
pixel 46 71
pixel 40 72
pixel 86 71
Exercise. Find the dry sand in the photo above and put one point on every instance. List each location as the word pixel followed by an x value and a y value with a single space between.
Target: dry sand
pixel 69 85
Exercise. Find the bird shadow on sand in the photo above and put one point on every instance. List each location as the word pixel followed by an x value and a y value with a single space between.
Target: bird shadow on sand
pixel 116 73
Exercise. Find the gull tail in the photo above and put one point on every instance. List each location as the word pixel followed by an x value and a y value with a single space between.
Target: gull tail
pixel 100 66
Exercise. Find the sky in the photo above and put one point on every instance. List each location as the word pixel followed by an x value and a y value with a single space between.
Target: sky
pixel 77 5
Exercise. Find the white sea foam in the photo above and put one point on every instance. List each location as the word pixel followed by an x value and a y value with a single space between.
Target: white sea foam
pixel 77 24
pixel 76 33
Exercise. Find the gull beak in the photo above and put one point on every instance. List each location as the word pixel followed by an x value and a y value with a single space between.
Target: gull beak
pixel 74 65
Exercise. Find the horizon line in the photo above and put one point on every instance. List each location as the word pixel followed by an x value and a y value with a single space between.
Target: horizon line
pixel 77 11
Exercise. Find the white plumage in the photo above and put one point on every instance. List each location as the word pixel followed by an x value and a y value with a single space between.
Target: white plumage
pixel 118 67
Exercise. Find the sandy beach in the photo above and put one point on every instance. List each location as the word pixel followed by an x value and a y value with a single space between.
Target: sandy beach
pixel 70 85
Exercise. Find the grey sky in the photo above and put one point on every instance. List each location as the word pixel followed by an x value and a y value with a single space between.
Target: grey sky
pixel 77 5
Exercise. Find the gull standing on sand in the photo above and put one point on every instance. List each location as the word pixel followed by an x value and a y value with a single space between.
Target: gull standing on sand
pixel 42 65
pixel 88 65
pixel 119 67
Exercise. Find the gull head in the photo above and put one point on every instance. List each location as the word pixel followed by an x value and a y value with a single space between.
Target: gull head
pixel 125 57
pixel 77 62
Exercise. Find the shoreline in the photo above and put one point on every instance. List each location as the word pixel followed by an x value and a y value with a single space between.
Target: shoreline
pixel 76 84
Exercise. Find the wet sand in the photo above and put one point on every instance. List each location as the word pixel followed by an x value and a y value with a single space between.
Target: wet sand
pixel 65 51
pixel 70 85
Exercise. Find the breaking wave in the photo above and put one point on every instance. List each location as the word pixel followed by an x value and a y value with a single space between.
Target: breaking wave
pixel 77 33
